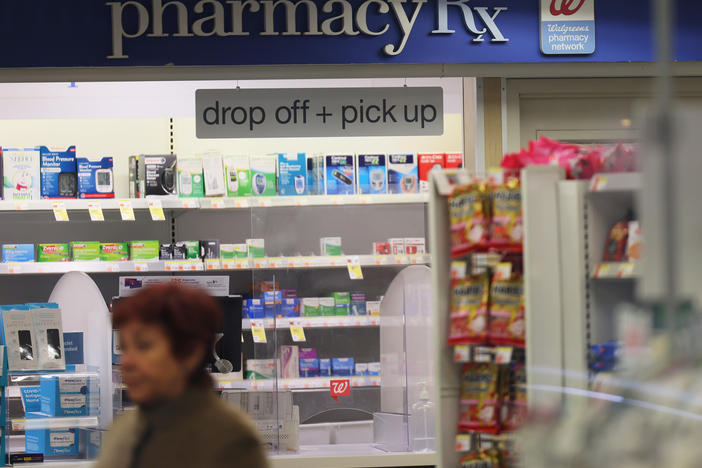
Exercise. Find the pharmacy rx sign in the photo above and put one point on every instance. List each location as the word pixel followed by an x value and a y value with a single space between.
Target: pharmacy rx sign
pixel 567 27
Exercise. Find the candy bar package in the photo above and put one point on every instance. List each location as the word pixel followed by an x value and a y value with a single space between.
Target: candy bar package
pixel 615 246
pixel 507 324
pixel 480 398
pixel 468 217
pixel 506 227
pixel 469 316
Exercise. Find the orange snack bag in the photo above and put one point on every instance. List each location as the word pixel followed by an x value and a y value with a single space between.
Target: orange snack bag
pixel 469 316
pixel 507 324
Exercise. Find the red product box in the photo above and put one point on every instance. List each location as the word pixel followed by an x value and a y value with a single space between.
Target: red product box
pixel 381 248
pixel 453 160
pixel 427 162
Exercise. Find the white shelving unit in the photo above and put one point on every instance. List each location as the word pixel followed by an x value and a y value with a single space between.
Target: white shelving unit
pixel 312 322
pixel 225 381
pixel 54 423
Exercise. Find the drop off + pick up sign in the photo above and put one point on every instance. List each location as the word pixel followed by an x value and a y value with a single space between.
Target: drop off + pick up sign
pixel 319 112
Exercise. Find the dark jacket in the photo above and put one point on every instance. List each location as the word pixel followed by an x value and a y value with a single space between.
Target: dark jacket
pixel 197 430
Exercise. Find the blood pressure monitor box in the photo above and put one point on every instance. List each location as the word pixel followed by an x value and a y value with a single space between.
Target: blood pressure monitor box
pixel 95 178
pixel 21 173
pixel 18 337
pixel 292 169
pixel 340 175
pixel 402 173
pixel 64 396
pixel 372 174
pixel 59 172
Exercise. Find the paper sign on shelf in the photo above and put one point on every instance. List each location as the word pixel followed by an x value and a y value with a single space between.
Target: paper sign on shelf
pixel 259 334
pixel 126 210
pixel 95 211
pixel 60 212
pixel 354 266
pixel 339 388
pixel 298 334
pixel 156 210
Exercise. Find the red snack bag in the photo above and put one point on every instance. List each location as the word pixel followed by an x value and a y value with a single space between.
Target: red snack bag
pixel 480 398
pixel 615 246
pixel 507 324
pixel 468 217
pixel 469 316
pixel 506 226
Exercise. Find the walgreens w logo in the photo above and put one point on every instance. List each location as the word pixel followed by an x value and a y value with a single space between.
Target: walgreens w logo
pixel 565 7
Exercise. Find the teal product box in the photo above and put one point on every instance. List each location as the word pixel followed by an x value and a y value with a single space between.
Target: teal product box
pixel 271 303
pixel 256 308
pixel 358 303
pixel 17 253
pixel 59 172
pixel 315 175
pixel 291 174
pixel 58 442
pixel 290 307
pixel 95 178
pixel 325 368
pixel 342 367
pixel 340 175
pixel 402 173
pixel 372 174
pixel 309 367
pixel 31 399
pixel 64 396
pixel 263 175
pixel 21 174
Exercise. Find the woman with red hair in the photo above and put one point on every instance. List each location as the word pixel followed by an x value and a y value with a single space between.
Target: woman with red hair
pixel 167 333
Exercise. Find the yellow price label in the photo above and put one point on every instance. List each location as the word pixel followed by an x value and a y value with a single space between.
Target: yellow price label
pixel 503 272
pixel 218 203
pixel 603 270
pixel 156 210
pixel 95 211
pixel 60 212
pixel 259 334
pixel 298 334
pixel 354 266
pixel 126 210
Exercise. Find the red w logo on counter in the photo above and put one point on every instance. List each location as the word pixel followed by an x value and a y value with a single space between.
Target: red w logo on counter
pixel 566 7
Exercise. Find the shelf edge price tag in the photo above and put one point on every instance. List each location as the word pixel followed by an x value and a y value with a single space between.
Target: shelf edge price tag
pixel 259 334
pixel 503 355
pixel 141 266
pixel 60 212
pixel 156 210
pixel 218 203
pixel 463 443
pixel 190 203
pixel 339 388
pixel 13 268
pixel 354 266
pixel 126 210
pixel 626 270
pixel 503 272
pixel 461 353
pixel 598 183
pixel 241 203
pixel 265 202
pixel 298 334
pixel 602 270
pixel 95 211
pixel 21 206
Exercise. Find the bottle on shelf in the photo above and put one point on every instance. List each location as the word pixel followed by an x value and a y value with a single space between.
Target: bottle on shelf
pixel 422 430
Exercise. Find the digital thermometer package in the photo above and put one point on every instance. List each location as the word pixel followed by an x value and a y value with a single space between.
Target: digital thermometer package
pixel 292 171
pixel 59 172
pixel 21 173
pixel 95 178
pixel 263 180
pixel 372 174
pixel 402 173
pixel 340 175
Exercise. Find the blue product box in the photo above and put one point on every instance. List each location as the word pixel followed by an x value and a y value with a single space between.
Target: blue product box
pixel 309 367
pixel 73 348
pixel 245 308
pixel 342 367
pixel 255 307
pixel 340 175
pixel 315 175
pixel 325 367
pixel 31 399
pixel 372 174
pixel 95 178
pixel 271 303
pixel 52 442
pixel 292 171
pixel 290 308
pixel 59 173
pixel 402 173
pixel 64 396
pixel 17 253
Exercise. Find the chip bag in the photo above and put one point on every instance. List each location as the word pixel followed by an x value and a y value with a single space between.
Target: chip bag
pixel 469 316
pixel 507 324
pixel 481 459
pixel 480 398
pixel 506 227
pixel 468 216
pixel 615 246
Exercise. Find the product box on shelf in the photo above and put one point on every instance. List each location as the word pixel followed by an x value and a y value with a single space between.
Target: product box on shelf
pixel 53 253
pixel 309 367
pixel 95 178
pixel 133 177
pixel 21 173
pixel 263 175
pixel 361 369
pixel 372 174
pixel 85 251
pixel 330 246
pixel 48 332
pixel 18 337
pixel 373 308
pixel 258 369
pixel 342 303
pixel 213 172
pixel 402 173
pixel 415 245
pixel 190 180
pixel 325 367
pixel 308 353
pixel 256 308
pixel 290 307
pixel 342 367
pixel 315 175
pixel 397 246
pixel 326 306
pixel 340 175
pixel 158 173
pixel 226 251
pixel 374 369
pixel 358 303
pixel 186 250
pixel 310 307
pixel 241 251
pixel 64 395
pixel 59 172
pixel 17 253
pixel 381 248
pixel 209 249
pixel 256 248
pixel 290 362
pixel 2 179
pixel 237 173
pixel 292 169
pixel 271 303
pixel 147 250
pixel 52 443
pixel 425 163
pixel 453 160
pixel 165 252
pixel 114 251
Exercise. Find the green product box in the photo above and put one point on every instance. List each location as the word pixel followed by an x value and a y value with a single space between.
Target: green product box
pixel 263 175
pixel 241 251
pixel 114 251
pixel 326 306
pixel 310 307
pixel 191 184
pixel 342 302
pixel 237 174
pixel 256 248
pixel 226 251
pixel 330 246
pixel 53 253
pixel 144 250
pixel 85 251
pixel 192 250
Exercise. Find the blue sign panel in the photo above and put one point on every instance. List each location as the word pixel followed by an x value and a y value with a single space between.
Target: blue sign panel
pixel 99 33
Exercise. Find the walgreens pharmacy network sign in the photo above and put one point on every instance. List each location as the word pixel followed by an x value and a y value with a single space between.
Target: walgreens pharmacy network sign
pixel 567 27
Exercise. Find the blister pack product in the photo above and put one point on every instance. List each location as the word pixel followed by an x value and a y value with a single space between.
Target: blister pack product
pixel 468 217
pixel 425 163
pixel 292 174
pixel 190 180
pixel 469 313
pixel 506 226
pixel 165 252
pixel 372 174
pixel 340 175
pixel 263 175
pixel 95 178
pixel 53 253
pixel 21 173
pixel 59 172
pixel 213 174
pixel 402 173
pixel 237 175
pixel 159 174
pixel 480 398
pixel 358 303
pixel 19 338
pixel 48 331
pixel 507 323
pixel 634 242
pixel 315 175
